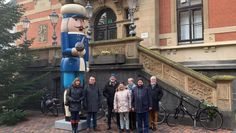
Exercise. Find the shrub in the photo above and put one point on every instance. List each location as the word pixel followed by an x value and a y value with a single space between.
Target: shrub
pixel 12 117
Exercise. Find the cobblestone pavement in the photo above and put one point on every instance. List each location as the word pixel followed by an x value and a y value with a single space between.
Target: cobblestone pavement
pixel 38 123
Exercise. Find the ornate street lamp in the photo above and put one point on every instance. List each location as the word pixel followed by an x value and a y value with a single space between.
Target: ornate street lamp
pixel 132 9
pixel 26 24
pixel 54 18
pixel 89 10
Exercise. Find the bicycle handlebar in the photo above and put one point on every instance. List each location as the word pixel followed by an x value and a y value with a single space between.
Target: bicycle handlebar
pixel 201 102
pixel 181 97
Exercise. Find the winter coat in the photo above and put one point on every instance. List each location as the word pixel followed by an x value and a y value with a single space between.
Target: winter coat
pixel 156 94
pixel 74 96
pixel 122 101
pixel 141 99
pixel 92 100
pixel 109 92
pixel 131 87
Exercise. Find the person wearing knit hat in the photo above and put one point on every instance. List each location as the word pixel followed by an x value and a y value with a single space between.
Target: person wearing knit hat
pixel 74 97
pixel 141 104
pixel 109 93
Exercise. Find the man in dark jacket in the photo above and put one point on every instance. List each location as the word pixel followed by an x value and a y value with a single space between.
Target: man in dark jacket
pixel 156 93
pixel 141 104
pixel 109 93
pixel 74 97
pixel 92 101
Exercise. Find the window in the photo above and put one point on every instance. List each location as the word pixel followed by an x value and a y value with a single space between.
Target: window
pixel 127 30
pixel 105 25
pixel 127 16
pixel 190 21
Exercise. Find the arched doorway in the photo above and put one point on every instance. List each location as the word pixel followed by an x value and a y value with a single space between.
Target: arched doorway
pixel 105 25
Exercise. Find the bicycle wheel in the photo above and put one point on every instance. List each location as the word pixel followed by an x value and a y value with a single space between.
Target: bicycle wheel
pixel 174 119
pixel 210 119
pixel 42 107
pixel 114 117
pixel 161 115
pixel 54 111
pixel 100 114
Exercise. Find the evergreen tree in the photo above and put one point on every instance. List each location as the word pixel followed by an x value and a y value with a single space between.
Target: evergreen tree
pixel 15 86
pixel 13 59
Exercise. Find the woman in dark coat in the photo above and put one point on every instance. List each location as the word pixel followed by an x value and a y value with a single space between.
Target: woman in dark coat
pixel 74 96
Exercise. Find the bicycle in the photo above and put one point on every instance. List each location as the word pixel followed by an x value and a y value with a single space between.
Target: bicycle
pixel 208 115
pixel 103 111
pixel 161 114
pixel 49 104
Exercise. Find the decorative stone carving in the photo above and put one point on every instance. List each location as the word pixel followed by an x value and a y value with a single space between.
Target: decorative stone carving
pixel 223 92
pixel 131 50
pixel 200 90
pixel 151 65
pixel 81 2
pixel 119 5
pixel 42 5
pixel 101 2
pixel 224 96
pixel 173 76
pixel 35 1
pixel 43 33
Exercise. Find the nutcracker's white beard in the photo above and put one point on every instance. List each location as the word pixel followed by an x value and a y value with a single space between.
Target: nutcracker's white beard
pixel 82 64
pixel 67 112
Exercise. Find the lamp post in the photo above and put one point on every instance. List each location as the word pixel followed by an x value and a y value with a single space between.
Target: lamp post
pixel 89 10
pixel 132 9
pixel 26 24
pixel 54 18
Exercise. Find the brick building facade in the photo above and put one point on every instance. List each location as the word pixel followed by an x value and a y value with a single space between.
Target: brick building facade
pixel 208 27
pixel 200 34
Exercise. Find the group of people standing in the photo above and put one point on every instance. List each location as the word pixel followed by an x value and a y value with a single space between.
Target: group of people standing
pixel 136 106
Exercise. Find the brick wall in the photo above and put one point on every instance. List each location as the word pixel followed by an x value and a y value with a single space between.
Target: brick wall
pixel 37 19
pixel 222 13
pixel 225 36
pixel 165 16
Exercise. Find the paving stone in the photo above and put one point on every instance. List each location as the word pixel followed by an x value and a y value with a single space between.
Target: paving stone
pixel 39 123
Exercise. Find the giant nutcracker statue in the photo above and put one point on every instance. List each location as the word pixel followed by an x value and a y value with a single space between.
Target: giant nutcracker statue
pixel 74 47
